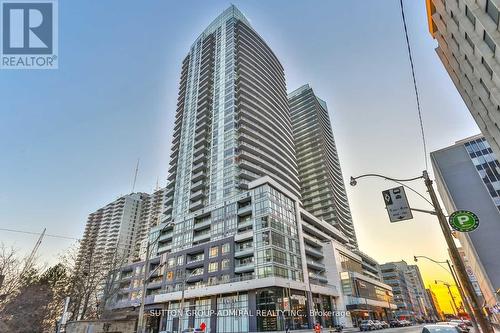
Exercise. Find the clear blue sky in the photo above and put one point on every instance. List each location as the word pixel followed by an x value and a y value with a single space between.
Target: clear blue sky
pixel 70 138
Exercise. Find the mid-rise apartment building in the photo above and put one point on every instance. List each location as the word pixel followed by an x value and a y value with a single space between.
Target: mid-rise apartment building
pixel 468 178
pixel 467 35
pixel 395 275
pixel 322 186
pixel 436 309
pixel 416 284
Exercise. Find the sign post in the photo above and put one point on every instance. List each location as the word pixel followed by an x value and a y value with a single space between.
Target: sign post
pixel 397 205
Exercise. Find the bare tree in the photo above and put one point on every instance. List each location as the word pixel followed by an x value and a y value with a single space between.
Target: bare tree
pixel 93 283
pixel 10 272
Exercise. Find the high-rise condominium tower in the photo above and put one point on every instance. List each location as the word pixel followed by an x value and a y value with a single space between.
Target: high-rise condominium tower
pixel 232 121
pixel 235 235
pixel 115 234
pixel 110 232
pixel 322 187
pixel 467 32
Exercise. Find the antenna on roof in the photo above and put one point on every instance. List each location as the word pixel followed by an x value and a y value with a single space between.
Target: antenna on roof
pixel 135 175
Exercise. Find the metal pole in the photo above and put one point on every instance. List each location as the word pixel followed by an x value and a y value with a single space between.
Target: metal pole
pixel 452 298
pixel 455 257
pixel 466 302
pixel 140 320
pixel 181 308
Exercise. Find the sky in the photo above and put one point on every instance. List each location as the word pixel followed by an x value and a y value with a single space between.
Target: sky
pixel 70 138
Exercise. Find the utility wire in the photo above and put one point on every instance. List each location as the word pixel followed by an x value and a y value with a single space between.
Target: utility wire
pixel 414 83
pixel 37 233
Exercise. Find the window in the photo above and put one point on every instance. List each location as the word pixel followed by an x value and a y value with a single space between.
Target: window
pixel 470 16
pixel 471 44
pixel 468 62
pixel 454 18
pixel 492 11
pixel 225 264
pixel 180 260
pixel 213 267
pixel 171 262
pixel 214 251
pixel 484 87
pixel 226 248
pixel 487 67
pixel 487 39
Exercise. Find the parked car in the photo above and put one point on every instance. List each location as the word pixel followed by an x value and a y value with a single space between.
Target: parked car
pixel 467 322
pixel 437 328
pixel 405 323
pixel 461 326
pixel 384 324
pixel 367 325
pixel 377 324
pixel 462 323
pixel 395 323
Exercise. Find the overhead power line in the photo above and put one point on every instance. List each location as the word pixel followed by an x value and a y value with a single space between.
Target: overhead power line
pixel 37 233
pixel 414 84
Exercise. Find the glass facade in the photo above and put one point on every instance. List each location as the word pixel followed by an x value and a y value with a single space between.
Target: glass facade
pixel 486 165
pixel 276 239
pixel 280 308
pixel 232 313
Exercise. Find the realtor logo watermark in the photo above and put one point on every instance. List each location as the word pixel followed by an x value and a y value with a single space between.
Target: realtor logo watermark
pixel 29 35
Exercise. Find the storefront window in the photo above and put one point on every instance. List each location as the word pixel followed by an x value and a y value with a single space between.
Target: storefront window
pixel 232 314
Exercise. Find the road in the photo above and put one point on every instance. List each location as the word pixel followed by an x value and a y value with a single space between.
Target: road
pixel 409 329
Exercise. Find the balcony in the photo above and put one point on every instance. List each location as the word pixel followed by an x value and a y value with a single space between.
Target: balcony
pixel 245 224
pixel 200 134
pixel 198 176
pixel 200 158
pixel 198 185
pixel 164 247
pixel 196 205
pixel 245 210
pixel 314 252
pixel 245 235
pixel 198 238
pixel 202 166
pixel 200 142
pixel 196 261
pixel 318 277
pixel 200 150
pixel 244 266
pixel 197 195
pixel 244 250
pixel 200 225
pixel 165 236
pixel 168 208
pixel 315 264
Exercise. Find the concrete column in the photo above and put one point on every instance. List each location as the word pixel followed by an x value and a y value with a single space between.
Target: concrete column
pixel 252 308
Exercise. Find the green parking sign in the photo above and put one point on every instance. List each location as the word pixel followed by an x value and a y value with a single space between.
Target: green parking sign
pixel 464 221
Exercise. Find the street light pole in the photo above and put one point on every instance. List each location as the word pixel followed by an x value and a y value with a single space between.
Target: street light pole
pixel 455 307
pixel 459 286
pixel 454 254
pixel 457 261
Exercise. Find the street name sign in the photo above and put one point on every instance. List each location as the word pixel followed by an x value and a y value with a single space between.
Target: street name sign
pixel 464 221
pixel 397 205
